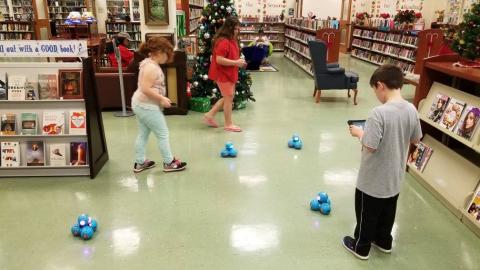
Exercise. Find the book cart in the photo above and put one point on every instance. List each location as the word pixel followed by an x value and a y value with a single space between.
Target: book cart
pixel 297 34
pixel 453 173
pixel 96 149
pixel 399 47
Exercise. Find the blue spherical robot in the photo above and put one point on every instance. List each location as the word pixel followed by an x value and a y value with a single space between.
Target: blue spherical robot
pixel 325 208
pixel 93 224
pixel 75 230
pixel 82 220
pixel 314 205
pixel 86 233
pixel 322 197
pixel 229 151
pixel 295 142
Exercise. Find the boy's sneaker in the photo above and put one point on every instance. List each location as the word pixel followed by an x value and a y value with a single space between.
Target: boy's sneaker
pixel 175 165
pixel 349 244
pixel 147 164
pixel 382 249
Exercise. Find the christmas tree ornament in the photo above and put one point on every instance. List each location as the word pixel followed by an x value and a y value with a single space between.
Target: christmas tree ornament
pixel 205 77
pixel 229 9
pixel 202 27
pixel 195 83
pixel 213 21
pixel 222 7
pixel 206 36
pixel 214 90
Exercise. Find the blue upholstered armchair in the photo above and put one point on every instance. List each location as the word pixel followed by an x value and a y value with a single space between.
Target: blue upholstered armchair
pixel 330 76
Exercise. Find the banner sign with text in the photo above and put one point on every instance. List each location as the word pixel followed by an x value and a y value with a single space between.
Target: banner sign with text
pixel 43 48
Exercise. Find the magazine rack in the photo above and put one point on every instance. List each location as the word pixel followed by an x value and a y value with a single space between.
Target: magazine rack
pixel 97 154
pixel 453 171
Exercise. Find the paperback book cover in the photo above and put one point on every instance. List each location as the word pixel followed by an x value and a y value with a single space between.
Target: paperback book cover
pixel 35 154
pixel 53 122
pixel 452 114
pixel 469 122
pixel 10 154
pixel 77 122
pixel 78 153
pixel 474 206
pixel 438 107
pixel 419 155
pixel 16 87
pixel 57 155
pixel 31 90
pixel 29 124
pixel 8 124
pixel 48 87
pixel 3 86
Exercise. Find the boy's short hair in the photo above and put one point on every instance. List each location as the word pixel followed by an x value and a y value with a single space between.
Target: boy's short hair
pixel 390 75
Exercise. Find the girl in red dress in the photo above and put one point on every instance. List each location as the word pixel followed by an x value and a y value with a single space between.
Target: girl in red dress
pixel 224 67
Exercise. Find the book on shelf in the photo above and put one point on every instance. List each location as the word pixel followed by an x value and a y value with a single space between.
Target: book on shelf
pixel 77 122
pixel 419 155
pixel 469 122
pixel 438 107
pixel 53 123
pixel 473 208
pixel 10 154
pixel 452 114
pixel 78 153
pixel 35 153
pixel 57 154
pixel 29 123
pixel 16 87
pixel 8 124
pixel 3 86
pixel 48 86
pixel 31 90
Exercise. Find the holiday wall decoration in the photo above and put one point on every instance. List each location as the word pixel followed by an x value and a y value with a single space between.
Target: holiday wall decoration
pixel 260 9
pixel 212 19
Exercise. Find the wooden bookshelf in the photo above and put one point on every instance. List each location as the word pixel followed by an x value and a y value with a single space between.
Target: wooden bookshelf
pixel 275 32
pixel 399 47
pixel 132 28
pixel 193 13
pixel 297 37
pixel 453 171
pixel 17 30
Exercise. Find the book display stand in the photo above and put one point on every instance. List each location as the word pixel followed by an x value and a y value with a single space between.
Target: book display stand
pixel 453 172
pixel 58 131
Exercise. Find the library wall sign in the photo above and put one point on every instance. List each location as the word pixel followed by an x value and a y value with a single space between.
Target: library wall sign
pixel 43 48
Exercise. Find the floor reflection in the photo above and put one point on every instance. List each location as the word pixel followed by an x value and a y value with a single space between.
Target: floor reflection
pixel 254 237
pixel 252 180
pixel 126 241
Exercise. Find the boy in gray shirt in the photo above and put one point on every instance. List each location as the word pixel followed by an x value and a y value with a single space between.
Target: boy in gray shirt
pixel 389 131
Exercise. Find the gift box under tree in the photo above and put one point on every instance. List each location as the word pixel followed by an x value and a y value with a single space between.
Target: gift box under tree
pixel 200 104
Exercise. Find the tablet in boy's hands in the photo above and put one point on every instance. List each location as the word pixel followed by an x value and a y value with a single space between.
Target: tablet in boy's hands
pixel 358 123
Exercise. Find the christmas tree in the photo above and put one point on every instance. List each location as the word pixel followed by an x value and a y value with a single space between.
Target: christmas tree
pixel 213 16
pixel 467 39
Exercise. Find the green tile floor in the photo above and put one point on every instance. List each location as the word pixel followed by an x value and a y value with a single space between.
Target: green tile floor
pixel 246 213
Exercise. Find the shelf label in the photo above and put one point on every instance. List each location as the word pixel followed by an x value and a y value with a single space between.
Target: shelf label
pixel 43 48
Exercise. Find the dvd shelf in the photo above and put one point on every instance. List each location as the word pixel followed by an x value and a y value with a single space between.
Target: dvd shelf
pixel 449 110
pixel 398 47
pixel 45 130
pixel 132 28
pixel 274 31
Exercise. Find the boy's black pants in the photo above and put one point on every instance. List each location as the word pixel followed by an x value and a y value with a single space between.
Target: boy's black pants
pixel 375 218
